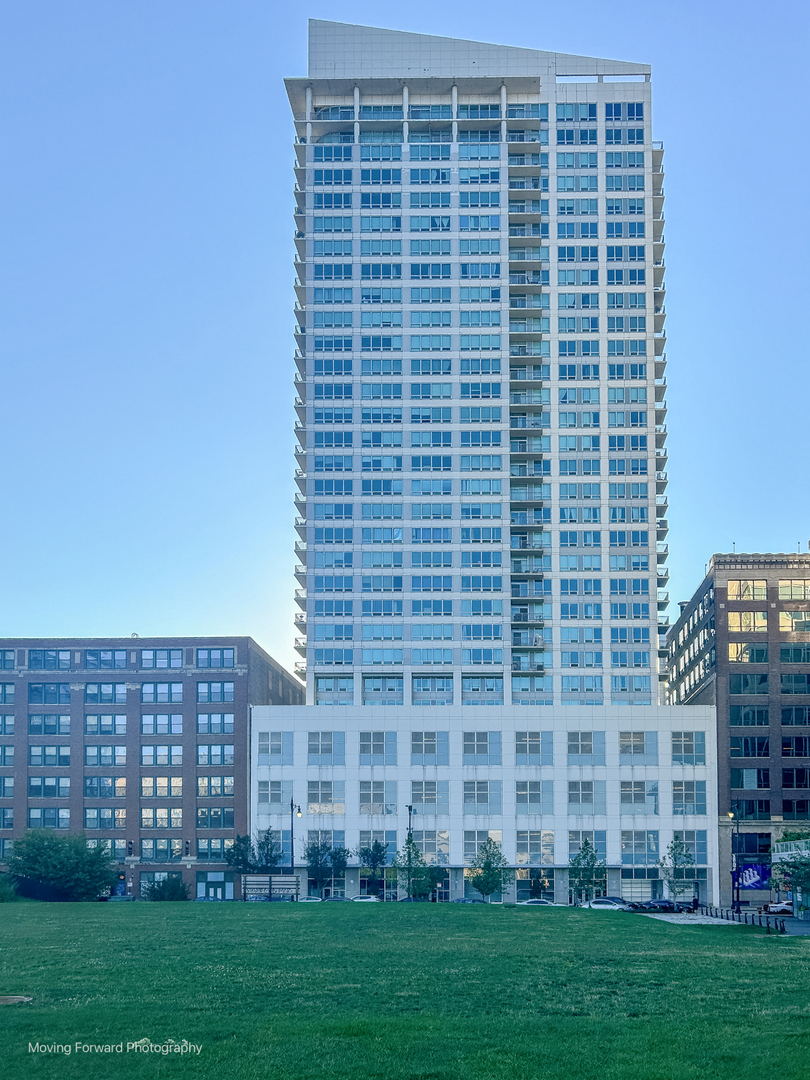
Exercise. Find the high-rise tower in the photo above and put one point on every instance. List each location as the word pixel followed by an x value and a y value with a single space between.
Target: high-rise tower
pixel 480 308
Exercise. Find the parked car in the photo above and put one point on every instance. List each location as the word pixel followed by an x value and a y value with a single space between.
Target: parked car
pixel 314 899
pixel 414 900
pixel 466 900
pixel 258 899
pixel 365 899
pixel 602 903
pixel 335 899
pixel 663 905
pixel 537 903
pixel 779 907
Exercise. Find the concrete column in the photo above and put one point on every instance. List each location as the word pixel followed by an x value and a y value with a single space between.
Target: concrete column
pixel 454 99
pixel 308 115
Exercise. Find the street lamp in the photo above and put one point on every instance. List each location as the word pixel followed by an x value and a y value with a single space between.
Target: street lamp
pixel 735 858
pixel 293 810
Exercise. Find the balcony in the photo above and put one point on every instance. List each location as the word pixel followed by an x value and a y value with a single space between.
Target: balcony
pixel 535 229
pixel 526 137
pixel 526 446
pixel 527 374
pixel 528 564
pixel 529 325
pixel 527 206
pixel 529 348
pixel 519 665
pixel 528 254
pixel 517 161
pixel 300 670
pixel 534 421
pixel 533 542
pixel 527 277
pixel 661 551
pixel 300 619
pixel 301 646
pixel 533 300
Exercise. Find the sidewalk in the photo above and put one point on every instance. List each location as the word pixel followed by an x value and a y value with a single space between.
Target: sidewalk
pixel 797 927
pixel 793 927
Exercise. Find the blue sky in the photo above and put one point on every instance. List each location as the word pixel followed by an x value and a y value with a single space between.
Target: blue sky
pixel 146 299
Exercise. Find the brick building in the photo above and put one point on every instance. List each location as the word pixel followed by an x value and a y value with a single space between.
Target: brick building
pixel 140 742
pixel 742 643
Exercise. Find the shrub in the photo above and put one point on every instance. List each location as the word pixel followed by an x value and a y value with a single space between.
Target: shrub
pixel 170 888
pixel 63 863
pixel 8 893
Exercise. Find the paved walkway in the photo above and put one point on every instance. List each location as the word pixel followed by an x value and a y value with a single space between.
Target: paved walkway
pixel 797 927
pixel 793 927
pixel 688 920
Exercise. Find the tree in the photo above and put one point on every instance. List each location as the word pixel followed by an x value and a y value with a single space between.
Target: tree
pixel 435 877
pixel 373 858
pixel 65 863
pixel 585 872
pixel 268 853
pixel 317 856
pixel 411 868
pixel 8 893
pixel 792 875
pixel 242 856
pixel 339 860
pixel 538 882
pixel 489 871
pixel 168 888
pixel 674 866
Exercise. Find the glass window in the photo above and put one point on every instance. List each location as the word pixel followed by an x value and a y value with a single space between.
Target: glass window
pixel 49 724
pixel 105 659
pixel 214 692
pixel 162 724
pixel 161 658
pixel 748 590
pixel 105 693
pixel 215 658
pixel 46 694
pixel 48 659
pixel 157 693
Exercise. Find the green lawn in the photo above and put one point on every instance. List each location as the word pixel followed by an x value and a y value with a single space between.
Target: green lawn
pixel 399 992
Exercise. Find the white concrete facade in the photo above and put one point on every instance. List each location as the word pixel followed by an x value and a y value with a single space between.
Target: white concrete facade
pixel 644 777
pixel 480 309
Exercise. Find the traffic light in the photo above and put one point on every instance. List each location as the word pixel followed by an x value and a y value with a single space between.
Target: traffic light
pixel 188 847
pixel 129 848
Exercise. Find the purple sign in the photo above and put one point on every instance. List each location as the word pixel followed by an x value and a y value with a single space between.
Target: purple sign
pixel 753 876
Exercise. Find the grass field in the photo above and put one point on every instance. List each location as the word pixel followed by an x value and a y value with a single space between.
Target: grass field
pixel 406 992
